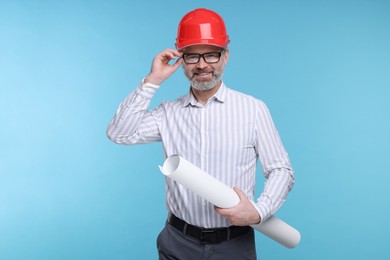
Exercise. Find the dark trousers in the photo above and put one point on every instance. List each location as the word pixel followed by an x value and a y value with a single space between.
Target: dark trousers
pixel 173 244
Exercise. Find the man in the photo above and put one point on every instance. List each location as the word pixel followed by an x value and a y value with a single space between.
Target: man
pixel 218 129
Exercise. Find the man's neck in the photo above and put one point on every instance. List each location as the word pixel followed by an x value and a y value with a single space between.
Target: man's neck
pixel 202 96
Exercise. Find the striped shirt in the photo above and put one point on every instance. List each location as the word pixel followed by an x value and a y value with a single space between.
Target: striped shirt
pixel 225 138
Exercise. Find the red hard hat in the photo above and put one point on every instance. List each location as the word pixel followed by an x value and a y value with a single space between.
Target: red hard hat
pixel 201 26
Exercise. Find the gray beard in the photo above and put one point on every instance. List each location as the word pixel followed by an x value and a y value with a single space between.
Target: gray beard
pixel 205 85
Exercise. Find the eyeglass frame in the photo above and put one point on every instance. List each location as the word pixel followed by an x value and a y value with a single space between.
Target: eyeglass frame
pixel 202 56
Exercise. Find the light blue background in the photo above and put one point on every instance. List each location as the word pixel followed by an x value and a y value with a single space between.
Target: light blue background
pixel 66 192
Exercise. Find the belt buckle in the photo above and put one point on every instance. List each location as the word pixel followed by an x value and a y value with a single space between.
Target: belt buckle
pixel 208 237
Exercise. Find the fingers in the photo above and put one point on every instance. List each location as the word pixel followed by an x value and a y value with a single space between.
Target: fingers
pixel 242 214
pixel 240 193
pixel 231 211
pixel 161 68
pixel 227 213
pixel 177 63
pixel 168 55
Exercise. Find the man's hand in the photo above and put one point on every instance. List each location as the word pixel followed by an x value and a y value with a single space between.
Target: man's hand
pixel 243 214
pixel 161 69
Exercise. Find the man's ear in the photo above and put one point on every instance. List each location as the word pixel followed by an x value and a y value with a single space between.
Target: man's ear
pixel 226 56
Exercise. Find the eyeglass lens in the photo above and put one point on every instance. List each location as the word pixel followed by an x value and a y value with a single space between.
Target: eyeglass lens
pixel 210 57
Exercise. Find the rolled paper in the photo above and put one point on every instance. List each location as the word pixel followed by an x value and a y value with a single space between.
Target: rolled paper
pixel 220 195
pixel 279 231
pixel 198 181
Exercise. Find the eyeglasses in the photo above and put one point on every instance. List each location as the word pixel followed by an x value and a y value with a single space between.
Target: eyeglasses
pixel 209 57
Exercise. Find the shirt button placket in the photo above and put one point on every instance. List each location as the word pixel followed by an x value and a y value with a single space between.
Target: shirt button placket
pixel 203 137
pixel 203 155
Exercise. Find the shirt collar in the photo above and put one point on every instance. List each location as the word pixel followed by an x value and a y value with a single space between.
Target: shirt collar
pixel 220 96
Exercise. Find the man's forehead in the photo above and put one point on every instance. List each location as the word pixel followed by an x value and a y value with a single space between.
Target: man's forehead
pixel 202 48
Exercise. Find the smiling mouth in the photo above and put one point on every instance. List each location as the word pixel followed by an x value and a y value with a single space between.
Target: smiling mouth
pixel 202 74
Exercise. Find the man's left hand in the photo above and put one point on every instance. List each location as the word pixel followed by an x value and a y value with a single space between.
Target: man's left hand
pixel 243 214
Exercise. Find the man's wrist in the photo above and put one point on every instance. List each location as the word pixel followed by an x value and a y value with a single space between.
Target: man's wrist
pixel 258 212
pixel 152 80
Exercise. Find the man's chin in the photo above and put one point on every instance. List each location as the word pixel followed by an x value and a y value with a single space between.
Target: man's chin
pixel 203 86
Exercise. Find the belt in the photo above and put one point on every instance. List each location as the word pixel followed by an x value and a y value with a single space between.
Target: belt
pixel 206 235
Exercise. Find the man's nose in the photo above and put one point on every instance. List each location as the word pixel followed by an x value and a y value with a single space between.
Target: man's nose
pixel 201 64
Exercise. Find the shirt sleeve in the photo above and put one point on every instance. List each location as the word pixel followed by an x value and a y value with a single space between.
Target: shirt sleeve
pixel 133 123
pixel 275 165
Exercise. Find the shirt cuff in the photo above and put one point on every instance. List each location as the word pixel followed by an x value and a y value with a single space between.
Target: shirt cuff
pixel 263 211
pixel 147 90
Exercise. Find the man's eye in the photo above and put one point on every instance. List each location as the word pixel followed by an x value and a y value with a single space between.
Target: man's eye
pixel 192 56
pixel 211 55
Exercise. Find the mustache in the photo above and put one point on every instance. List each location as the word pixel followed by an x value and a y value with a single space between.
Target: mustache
pixel 199 71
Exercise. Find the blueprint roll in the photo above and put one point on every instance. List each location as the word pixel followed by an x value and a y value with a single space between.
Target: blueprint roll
pixel 198 181
pixel 279 231
pixel 219 194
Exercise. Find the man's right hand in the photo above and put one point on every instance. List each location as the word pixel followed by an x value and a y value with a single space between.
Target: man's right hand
pixel 161 69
